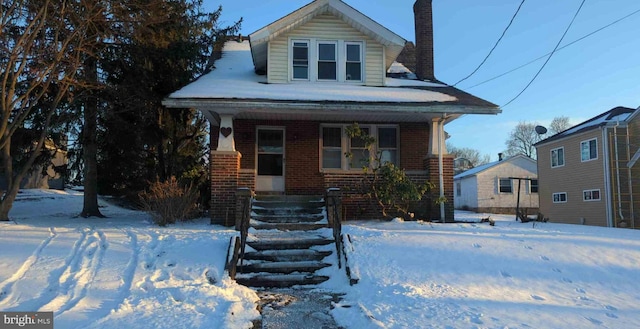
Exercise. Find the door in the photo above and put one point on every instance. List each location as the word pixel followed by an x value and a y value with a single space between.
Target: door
pixel 270 160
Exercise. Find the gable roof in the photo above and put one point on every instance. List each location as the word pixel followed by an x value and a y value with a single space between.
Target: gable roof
pixel 476 170
pixel 616 114
pixel 260 38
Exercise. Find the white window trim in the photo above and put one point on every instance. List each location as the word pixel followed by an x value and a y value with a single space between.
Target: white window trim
pixel 341 51
pixel 566 197
pixel 588 141
pixel 510 183
pixel 346 145
pixel 551 158
pixel 591 191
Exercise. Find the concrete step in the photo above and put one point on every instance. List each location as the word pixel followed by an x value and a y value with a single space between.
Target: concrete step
pixel 283 244
pixel 279 280
pixel 286 211
pixel 287 255
pixel 283 267
pixel 295 226
pixel 289 218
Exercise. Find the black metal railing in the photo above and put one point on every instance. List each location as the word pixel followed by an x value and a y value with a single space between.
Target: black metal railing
pixel 244 201
pixel 333 202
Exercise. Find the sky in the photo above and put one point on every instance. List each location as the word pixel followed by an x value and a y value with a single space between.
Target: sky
pixel 581 81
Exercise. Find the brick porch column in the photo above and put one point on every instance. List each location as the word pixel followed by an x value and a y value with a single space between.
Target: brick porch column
pixel 225 166
pixel 431 166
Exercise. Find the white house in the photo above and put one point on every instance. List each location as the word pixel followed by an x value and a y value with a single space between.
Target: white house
pixel 493 187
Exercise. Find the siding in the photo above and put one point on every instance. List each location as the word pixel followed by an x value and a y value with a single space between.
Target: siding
pixel 468 198
pixel 573 178
pixel 325 27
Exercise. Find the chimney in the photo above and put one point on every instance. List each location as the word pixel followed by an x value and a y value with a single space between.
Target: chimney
pixel 424 40
pixel 500 156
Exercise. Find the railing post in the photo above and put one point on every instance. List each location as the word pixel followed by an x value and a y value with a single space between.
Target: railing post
pixel 333 201
pixel 243 206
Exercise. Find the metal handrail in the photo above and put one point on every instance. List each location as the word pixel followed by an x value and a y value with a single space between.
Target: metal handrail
pixel 333 214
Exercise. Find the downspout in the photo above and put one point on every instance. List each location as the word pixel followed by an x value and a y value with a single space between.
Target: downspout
pixel 441 166
pixel 615 140
pixel 630 182
pixel 607 180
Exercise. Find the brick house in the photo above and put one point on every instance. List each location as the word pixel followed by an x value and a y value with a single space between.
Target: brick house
pixel 497 187
pixel 589 173
pixel 279 103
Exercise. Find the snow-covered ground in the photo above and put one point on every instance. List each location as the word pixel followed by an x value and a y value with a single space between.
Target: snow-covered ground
pixel 124 272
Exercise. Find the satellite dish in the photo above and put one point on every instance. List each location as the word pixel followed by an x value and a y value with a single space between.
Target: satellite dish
pixel 541 130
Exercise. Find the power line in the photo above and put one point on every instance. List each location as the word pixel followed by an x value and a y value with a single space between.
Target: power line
pixel 567 45
pixel 550 55
pixel 494 46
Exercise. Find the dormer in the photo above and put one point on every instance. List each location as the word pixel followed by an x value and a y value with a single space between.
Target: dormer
pixel 326 41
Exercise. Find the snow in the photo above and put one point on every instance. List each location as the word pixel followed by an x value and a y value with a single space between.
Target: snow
pixel 234 78
pixel 124 272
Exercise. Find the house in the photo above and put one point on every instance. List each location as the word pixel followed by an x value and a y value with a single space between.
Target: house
pixel 493 187
pixel 280 101
pixel 589 173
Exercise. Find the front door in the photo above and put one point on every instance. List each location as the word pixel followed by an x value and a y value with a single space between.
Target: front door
pixel 271 160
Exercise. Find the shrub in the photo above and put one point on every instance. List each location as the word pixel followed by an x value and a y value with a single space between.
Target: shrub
pixel 168 202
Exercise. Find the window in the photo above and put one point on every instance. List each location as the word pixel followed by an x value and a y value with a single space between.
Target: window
pixel 327 61
pixel 332 147
pixel 533 186
pixel 505 185
pixel 354 62
pixel 591 195
pixel 335 144
pixel 388 144
pixel 301 60
pixel 557 157
pixel 359 153
pixel 560 197
pixel 589 150
pixel 458 189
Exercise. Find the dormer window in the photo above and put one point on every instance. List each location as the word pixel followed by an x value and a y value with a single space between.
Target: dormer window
pixel 301 60
pixel 326 60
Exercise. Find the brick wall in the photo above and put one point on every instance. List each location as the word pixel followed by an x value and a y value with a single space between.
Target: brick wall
pixel 431 165
pixel 424 39
pixel 414 145
pixel 224 183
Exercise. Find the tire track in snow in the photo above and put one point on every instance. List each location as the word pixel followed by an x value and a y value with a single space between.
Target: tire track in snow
pixel 7 293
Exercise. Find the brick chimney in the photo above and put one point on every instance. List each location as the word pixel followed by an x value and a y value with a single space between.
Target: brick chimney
pixel 424 40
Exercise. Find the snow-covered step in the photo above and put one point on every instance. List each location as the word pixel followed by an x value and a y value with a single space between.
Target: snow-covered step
pixel 282 244
pixel 258 225
pixel 279 280
pixel 289 218
pixel 287 255
pixel 284 267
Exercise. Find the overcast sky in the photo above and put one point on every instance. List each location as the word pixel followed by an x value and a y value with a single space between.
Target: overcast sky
pixel 580 81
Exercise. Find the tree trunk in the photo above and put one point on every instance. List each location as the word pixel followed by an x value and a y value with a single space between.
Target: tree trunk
pixel 6 201
pixel 90 146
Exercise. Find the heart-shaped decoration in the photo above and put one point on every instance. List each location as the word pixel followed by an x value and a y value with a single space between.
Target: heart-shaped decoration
pixel 226 131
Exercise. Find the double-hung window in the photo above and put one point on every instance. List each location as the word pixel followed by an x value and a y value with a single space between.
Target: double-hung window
pixel 533 186
pixel 505 185
pixel 300 60
pixel 557 157
pixel 327 61
pixel 344 153
pixel 353 61
pixel 589 150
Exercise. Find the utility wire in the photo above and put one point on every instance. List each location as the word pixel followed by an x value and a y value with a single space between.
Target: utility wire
pixel 550 55
pixel 494 46
pixel 565 46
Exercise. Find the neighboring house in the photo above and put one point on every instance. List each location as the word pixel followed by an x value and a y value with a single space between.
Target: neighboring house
pixel 42 177
pixel 589 173
pixel 493 187
pixel 279 104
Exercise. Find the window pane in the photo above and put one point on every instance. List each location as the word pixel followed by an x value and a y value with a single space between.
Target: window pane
pixel 593 152
pixel 331 136
pixel 389 156
pixel 300 53
pixel 332 159
pixel 270 164
pixel 270 141
pixel 354 72
pixel 534 186
pixel 353 53
pixel 327 52
pixel 560 157
pixel 300 72
pixel 327 71
pixel 358 142
pixel 596 194
pixel 360 158
pixel 505 185
pixel 387 138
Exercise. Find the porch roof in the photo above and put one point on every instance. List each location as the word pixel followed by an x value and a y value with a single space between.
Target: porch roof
pixel 234 87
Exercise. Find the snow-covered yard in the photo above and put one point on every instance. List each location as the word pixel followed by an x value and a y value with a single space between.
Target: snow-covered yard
pixel 123 272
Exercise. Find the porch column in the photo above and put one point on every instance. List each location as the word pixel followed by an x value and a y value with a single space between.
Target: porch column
pixel 439 166
pixel 224 166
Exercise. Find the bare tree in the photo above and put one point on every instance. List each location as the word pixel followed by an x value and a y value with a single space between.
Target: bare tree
pixel 522 138
pixel 474 157
pixel 42 48
pixel 559 124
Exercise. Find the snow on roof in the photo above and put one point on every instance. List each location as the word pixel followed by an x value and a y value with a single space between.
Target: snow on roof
pixel 481 168
pixel 234 78
pixel 618 114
